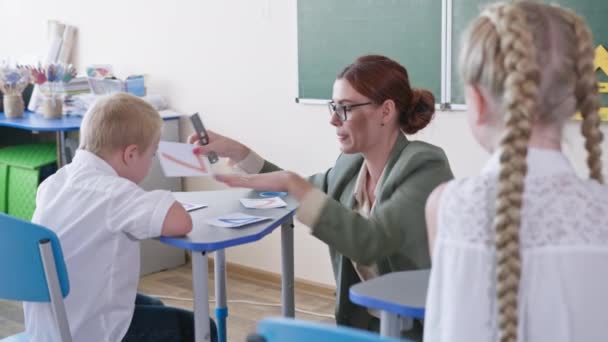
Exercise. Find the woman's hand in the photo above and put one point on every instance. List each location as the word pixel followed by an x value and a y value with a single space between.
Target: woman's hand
pixel 287 181
pixel 223 146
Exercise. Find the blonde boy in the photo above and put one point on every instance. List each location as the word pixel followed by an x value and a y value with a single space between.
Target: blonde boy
pixel 100 213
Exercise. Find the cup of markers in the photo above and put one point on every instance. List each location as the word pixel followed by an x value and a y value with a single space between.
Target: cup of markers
pixel 51 78
pixel 13 81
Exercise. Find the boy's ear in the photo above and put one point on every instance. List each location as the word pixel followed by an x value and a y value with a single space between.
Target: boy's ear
pixel 478 105
pixel 129 153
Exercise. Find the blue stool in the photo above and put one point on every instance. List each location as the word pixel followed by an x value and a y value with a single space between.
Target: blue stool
pixel 29 256
pixel 284 329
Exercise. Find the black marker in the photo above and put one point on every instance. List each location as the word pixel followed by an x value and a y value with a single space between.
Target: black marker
pixel 202 135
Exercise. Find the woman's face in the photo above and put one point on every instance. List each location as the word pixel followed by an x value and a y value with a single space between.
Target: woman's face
pixel 361 129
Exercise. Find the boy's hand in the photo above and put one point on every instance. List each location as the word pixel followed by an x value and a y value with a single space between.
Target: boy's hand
pixel 221 145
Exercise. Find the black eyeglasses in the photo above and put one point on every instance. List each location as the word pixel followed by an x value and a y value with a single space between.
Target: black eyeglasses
pixel 342 110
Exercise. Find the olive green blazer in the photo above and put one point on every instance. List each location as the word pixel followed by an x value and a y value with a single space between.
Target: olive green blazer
pixel 394 237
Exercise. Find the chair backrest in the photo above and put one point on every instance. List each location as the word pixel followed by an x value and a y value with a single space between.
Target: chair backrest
pixel 284 329
pixel 21 266
pixel 32 267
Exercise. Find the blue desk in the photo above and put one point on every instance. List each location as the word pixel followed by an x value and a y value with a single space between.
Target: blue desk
pixel 205 239
pixel 35 122
pixel 395 295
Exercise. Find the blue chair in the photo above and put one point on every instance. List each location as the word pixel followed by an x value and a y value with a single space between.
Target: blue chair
pixel 33 270
pixel 284 329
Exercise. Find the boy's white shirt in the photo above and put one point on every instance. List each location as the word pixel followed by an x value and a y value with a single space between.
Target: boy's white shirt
pixel 99 218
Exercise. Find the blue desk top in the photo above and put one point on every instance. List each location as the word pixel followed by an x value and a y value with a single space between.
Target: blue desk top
pixel 36 122
pixel 402 293
pixel 204 237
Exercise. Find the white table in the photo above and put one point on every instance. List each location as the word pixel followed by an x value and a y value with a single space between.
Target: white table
pixel 395 295
pixel 205 239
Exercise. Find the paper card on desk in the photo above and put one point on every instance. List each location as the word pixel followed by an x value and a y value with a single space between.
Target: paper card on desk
pixel 191 206
pixel 263 203
pixel 235 220
pixel 178 160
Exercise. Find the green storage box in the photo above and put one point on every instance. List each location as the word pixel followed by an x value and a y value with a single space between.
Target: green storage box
pixel 22 168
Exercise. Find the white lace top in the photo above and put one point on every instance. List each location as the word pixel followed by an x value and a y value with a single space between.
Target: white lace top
pixel 563 292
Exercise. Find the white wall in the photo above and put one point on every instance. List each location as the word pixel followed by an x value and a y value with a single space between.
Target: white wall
pixel 235 61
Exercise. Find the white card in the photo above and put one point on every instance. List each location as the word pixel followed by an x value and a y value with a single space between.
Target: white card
pixel 235 220
pixel 263 203
pixel 178 160
pixel 191 206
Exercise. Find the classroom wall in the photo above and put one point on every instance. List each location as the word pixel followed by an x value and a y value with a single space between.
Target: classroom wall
pixel 235 61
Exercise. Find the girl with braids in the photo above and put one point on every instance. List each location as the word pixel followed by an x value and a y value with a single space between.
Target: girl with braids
pixel 519 252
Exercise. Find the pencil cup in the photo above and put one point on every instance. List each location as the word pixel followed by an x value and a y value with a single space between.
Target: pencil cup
pixel 13 106
pixel 52 107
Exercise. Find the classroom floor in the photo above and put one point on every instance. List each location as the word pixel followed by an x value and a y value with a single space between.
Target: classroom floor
pixel 178 283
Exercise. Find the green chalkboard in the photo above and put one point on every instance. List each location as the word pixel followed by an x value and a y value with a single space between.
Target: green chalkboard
pixel 333 33
pixel 463 11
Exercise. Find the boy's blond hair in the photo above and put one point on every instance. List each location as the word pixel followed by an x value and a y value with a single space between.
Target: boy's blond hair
pixel 537 61
pixel 117 121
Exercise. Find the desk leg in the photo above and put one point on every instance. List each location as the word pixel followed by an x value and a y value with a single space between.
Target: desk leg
pixel 221 309
pixel 62 152
pixel 390 324
pixel 287 269
pixel 407 323
pixel 200 286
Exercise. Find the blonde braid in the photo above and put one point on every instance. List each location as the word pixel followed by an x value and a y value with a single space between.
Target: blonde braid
pixel 521 85
pixel 587 97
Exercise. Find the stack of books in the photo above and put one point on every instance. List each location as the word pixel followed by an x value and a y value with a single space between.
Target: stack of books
pixel 133 84
pixel 78 85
